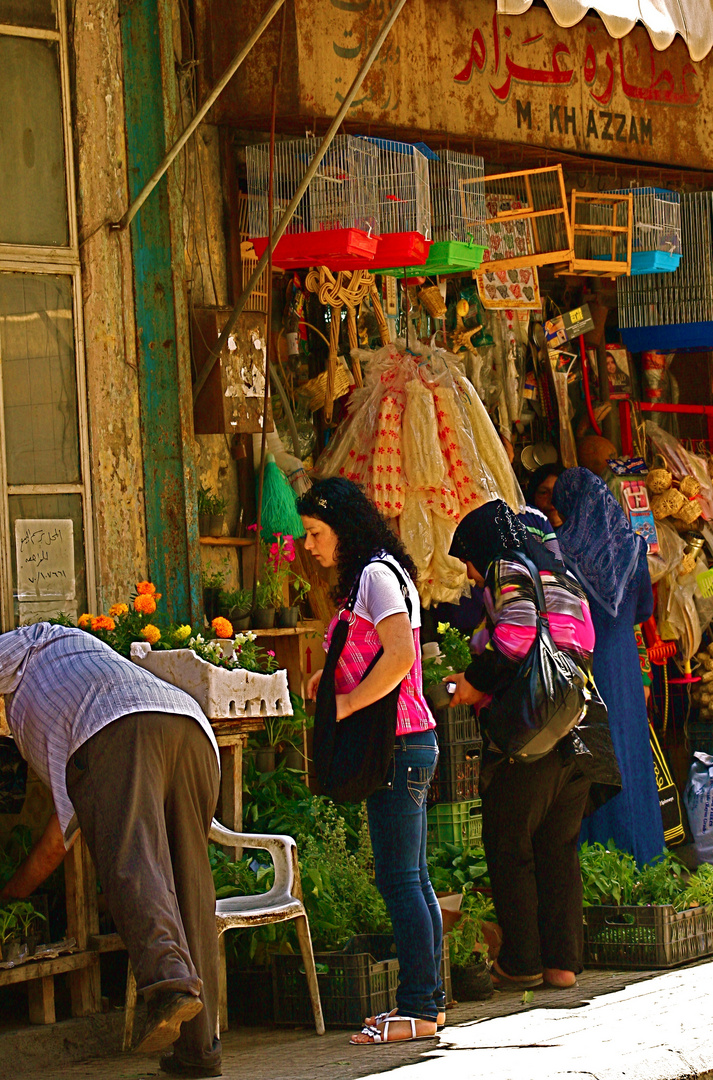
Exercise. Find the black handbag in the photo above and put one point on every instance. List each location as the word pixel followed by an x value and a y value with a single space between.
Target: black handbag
pixel 547 697
pixel 352 757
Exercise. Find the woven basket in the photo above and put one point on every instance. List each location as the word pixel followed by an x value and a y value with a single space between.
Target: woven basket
pixel 314 392
pixel 432 300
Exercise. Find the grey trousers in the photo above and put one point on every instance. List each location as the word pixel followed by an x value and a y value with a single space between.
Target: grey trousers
pixel 145 788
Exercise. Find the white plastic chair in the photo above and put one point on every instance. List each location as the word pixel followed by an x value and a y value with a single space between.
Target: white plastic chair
pixel 282 903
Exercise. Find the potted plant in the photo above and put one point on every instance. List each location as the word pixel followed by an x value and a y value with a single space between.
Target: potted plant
pixel 217 515
pixel 452 655
pixel 469 967
pixel 28 920
pixel 292 753
pixel 238 605
pixel 212 586
pixel 8 935
pixel 205 502
pixel 289 616
pixel 263 617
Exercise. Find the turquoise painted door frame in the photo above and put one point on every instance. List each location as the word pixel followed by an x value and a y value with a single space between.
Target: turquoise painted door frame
pixel 163 344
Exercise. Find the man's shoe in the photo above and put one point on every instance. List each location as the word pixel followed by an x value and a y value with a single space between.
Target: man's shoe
pixel 176 1066
pixel 165 1014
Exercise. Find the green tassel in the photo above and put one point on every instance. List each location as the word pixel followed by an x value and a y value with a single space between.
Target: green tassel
pixel 279 513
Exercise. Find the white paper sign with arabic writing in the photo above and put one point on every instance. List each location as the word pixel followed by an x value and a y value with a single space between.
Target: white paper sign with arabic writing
pixel 44 549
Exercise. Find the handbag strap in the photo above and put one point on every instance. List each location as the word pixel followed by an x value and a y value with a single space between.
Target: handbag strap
pixel 543 622
pixel 349 606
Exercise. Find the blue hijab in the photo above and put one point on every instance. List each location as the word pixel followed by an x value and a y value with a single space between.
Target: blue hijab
pixel 597 542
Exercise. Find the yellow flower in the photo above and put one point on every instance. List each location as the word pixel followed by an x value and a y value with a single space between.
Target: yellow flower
pixel 442 627
pixel 118 609
pixel 151 633
pixel 103 622
pixel 145 604
pixel 223 628
pixel 85 620
pixel 182 632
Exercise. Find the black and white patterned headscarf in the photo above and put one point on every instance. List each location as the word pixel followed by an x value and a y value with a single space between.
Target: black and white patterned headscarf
pixel 487 533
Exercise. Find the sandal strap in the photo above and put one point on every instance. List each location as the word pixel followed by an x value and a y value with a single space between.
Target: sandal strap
pixel 399 1019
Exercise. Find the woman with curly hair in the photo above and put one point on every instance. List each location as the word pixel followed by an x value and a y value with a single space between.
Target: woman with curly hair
pixel 345 530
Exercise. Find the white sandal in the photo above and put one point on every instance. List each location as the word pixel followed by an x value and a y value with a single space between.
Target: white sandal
pixel 381 1017
pixel 380 1035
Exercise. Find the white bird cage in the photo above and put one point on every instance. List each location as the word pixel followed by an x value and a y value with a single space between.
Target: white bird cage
pixel 337 220
pixel 404 204
pixel 656 229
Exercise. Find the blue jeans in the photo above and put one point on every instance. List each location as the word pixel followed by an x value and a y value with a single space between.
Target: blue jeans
pixel 397 824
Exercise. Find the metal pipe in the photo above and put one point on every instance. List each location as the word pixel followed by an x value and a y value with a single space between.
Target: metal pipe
pixel 304 184
pixel 198 118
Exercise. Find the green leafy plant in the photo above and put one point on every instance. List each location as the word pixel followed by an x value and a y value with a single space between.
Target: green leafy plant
pixel 214 580
pixel 246 653
pixel 452 868
pixel 25 915
pixel 467 935
pixel 209 502
pixel 660 882
pixel 455 655
pixel 608 875
pixel 219 505
pixel 246 877
pixel 699 889
pixel 8 924
pixel 242 599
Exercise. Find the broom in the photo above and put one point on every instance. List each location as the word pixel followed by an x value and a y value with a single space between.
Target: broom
pixel 279 513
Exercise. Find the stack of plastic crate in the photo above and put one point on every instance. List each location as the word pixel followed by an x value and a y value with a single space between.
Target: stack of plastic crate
pixel 454 814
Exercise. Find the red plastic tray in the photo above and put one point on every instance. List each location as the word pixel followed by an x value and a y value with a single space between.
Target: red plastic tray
pixel 339 249
pixel 401 249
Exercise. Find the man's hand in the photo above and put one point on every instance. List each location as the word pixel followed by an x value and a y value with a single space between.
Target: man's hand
pixel 465 694
pixel 46 855
pixel 313 685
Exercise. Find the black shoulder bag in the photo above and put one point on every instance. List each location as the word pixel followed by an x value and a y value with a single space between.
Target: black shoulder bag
pixel 352 757
pixel 546 698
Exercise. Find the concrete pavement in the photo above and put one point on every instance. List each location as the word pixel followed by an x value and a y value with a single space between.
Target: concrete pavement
pixel 657 1029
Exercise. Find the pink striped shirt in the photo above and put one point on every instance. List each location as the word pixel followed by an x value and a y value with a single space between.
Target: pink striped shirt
pixel 362 645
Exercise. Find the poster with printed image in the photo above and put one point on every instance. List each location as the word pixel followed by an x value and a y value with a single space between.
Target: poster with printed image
pixel 618 371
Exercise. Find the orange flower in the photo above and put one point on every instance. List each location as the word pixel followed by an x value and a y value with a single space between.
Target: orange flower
pixel 84 621
pixel 118 609
pixel 103 622
pixel 145 588
pixel 145 604
pixel 151 633
pixel 222 627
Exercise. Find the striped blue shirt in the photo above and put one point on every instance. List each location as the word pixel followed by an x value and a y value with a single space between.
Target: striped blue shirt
pixel 66 686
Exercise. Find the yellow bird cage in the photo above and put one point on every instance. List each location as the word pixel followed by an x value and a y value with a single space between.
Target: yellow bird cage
pixel 602 229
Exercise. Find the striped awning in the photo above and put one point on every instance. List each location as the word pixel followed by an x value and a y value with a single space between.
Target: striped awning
pixel 692 19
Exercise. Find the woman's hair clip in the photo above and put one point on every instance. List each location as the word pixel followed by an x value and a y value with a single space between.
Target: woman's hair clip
pixel 321 501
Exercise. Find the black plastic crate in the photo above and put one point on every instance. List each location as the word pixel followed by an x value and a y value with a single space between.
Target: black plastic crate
pixel 457 773
pixel 700 736
pixel 640 938
pixel 361 980
pixel 456 725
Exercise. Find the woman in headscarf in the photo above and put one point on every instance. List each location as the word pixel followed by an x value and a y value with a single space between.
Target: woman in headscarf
pixel 539 492
pixel 532 812
pixel 609 561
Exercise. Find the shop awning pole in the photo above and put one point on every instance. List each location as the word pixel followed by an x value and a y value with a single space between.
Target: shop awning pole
pixel 198 118
pixel 304 184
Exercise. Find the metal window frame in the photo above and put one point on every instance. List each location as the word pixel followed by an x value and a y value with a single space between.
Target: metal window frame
pixel 45 260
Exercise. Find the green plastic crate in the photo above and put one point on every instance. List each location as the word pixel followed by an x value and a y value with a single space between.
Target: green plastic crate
pixel 455 823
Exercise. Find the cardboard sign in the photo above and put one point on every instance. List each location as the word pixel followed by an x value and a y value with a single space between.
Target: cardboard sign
pixel 44 549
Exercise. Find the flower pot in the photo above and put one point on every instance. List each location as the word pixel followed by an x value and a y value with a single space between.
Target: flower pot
pixel 240 618
pixel 211 599
pixel 293 758
pixel 288 617
pixel 216 524
pixel 438 696
pixel 265 759
pixel 204 524
pixel 472 983
pixel 263 618
pixel 11 950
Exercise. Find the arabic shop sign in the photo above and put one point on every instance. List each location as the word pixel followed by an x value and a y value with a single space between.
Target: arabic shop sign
pixel 458 68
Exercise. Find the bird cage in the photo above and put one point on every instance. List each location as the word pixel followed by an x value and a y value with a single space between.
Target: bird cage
pixel 656 238
pixel 457 215
pixel 404 205
pixel 602 230
pixel 674 310
pixel 527 219
pixel 336 221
